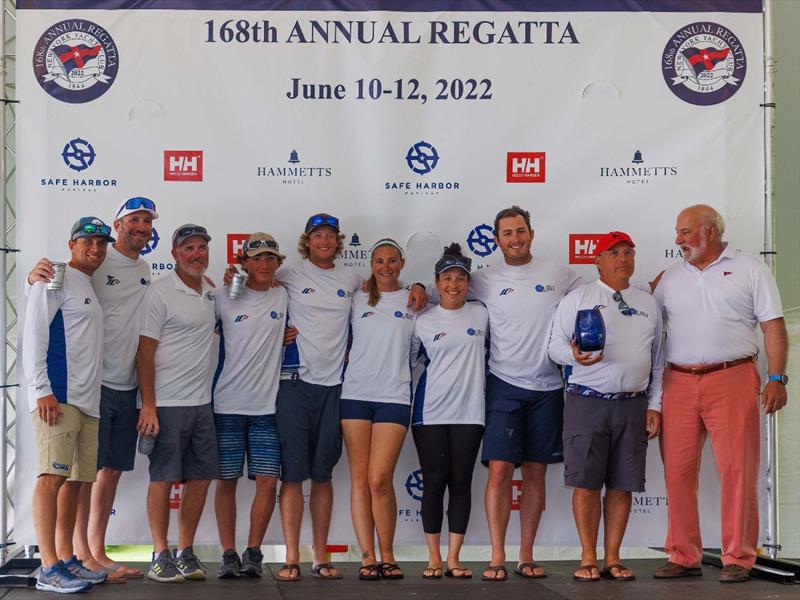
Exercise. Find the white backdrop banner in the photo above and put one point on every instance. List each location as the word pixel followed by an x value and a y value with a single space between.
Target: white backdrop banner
pixel 594 115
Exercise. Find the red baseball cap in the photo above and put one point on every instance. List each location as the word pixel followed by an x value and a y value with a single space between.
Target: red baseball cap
pixel 611 239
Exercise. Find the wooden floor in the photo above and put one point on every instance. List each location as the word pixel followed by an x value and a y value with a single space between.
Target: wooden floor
pixel 558 585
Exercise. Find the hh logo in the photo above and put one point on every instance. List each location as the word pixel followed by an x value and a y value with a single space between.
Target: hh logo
pixel 176 495
pixel 235 244
pixel 516 493
pixel 525 167
pixel 581 248
pixel 183 165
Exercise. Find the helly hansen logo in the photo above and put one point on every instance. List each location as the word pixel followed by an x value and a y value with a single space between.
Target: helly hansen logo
pixel 506 291
pixel 240 318
pixel 308 291
pixel 112 280
pixel 581 248
pixel 439 336
pixel 369 313
pixel 235 244
pixel 183 165
pixel 525 167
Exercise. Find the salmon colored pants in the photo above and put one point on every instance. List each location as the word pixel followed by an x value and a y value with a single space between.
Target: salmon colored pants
pixel 724 404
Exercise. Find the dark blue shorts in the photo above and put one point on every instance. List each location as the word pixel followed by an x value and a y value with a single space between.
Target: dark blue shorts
pixel 522 425
pixel 377 412
pixel 116 447
pixel 253 435
pixel 309 430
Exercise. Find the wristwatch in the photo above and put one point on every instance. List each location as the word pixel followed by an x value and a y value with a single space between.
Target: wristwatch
pixel 784 379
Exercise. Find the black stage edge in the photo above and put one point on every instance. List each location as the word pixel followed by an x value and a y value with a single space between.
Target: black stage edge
pixel 558 586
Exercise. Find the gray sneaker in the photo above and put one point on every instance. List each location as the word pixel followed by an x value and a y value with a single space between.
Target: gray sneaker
pixel 229 566
pixel 189 566
pixel 77 568
pixel 163 569
pixel 58 579
pixel 251 562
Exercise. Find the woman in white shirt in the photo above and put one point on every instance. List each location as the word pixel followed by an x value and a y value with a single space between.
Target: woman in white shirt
pixel 448 415
pixel 376 406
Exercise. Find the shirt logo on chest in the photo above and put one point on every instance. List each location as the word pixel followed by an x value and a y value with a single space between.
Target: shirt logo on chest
pixel 343 293
pixel 506 291
pixel 112 280
pixel 87 300
pixel 439 336
pixel 276 314
pixel 473 331
pixel 369 313
pixel 308 291
pixel 240 318
pixel 544 288
pixel 401 315
pixel 144 281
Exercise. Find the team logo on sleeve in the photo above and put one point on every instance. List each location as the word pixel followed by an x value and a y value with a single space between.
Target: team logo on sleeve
pixel 704 63
pixel 75 61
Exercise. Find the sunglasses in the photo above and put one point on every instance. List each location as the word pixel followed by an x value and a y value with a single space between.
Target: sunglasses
pixel 138 204
pixel 91 228
pixel 622 306
pixel 319 220
pixel 189 231
pixel 255 245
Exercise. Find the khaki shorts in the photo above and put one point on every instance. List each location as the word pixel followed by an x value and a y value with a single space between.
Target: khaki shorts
pixel 68 448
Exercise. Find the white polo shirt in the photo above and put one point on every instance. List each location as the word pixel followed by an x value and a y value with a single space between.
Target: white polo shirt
pixel 62 343
pixel 632 353
pixel 183 323
pixel 451 390
pixel 120 284
pixel 712 314
pixel 319 306
pixel 521 301
pixel 251 343
pixel 378 368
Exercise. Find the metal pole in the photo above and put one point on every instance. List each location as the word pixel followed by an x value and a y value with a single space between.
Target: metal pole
pixel 3 291
pixel 771 542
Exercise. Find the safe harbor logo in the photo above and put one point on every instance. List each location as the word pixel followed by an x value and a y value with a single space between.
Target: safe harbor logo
pixel 480 240
pixel 183 165
pixel 422 158
pixel 78 155
pixel 411 512
pixel 704 63
pixel 294 172
pixel 525 167
pixel 638 171
pixel 75 61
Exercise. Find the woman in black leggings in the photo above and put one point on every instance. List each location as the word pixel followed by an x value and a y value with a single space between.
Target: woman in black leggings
pixel 447 419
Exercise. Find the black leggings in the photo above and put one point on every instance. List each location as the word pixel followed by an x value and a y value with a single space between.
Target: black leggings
pixel 447 456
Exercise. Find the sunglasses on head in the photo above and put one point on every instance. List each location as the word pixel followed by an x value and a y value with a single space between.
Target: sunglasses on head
pixel 319 220
pixel 92 228
pixel 451 261
pixel 138 204
pixel 255 245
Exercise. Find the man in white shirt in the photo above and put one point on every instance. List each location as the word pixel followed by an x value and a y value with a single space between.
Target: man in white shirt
pixel 524 390
pixel 611 407
pixel 120 284
pixel 173 363
pixel 713 302
pixel 62 358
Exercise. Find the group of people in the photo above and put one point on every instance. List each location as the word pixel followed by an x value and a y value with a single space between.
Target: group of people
pixel 312 355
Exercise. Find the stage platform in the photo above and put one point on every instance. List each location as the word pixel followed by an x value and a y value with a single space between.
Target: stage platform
pixel 557 586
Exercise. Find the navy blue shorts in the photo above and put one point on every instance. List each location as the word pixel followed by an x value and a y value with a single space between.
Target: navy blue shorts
pixel 309 430
pixel 522 425
pixel 116 447
pixel 377 412
pixel 253 435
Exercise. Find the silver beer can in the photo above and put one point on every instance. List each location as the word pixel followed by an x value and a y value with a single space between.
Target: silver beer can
pixel 57 282
pixel 236 289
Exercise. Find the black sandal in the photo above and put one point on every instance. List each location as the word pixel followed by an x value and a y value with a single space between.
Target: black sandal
pixel 369 572
pixel 390 570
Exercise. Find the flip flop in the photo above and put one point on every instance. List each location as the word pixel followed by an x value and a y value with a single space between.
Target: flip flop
pixel 368 572
pixel 390 570
pixel 432 573
pixel 607 574
pixel 127 572
pixel 588 568
pixel 520 570
pixel 316 571
pixel 288 567
pixel 496 569
pixel 462 573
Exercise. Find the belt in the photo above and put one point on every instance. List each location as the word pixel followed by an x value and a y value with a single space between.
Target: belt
pixel 582 390
pixel 705 369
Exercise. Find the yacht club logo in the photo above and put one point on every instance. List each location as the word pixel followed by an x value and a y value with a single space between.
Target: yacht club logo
pixel 704 63
pixel 75 61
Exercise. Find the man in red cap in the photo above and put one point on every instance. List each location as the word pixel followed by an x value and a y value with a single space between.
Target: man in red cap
pixel 611 408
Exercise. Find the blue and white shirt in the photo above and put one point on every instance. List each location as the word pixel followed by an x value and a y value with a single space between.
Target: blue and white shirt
pixel 62 349
pixel 378 368
pixel 250 351
pixel 319 306
pixel 452 343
